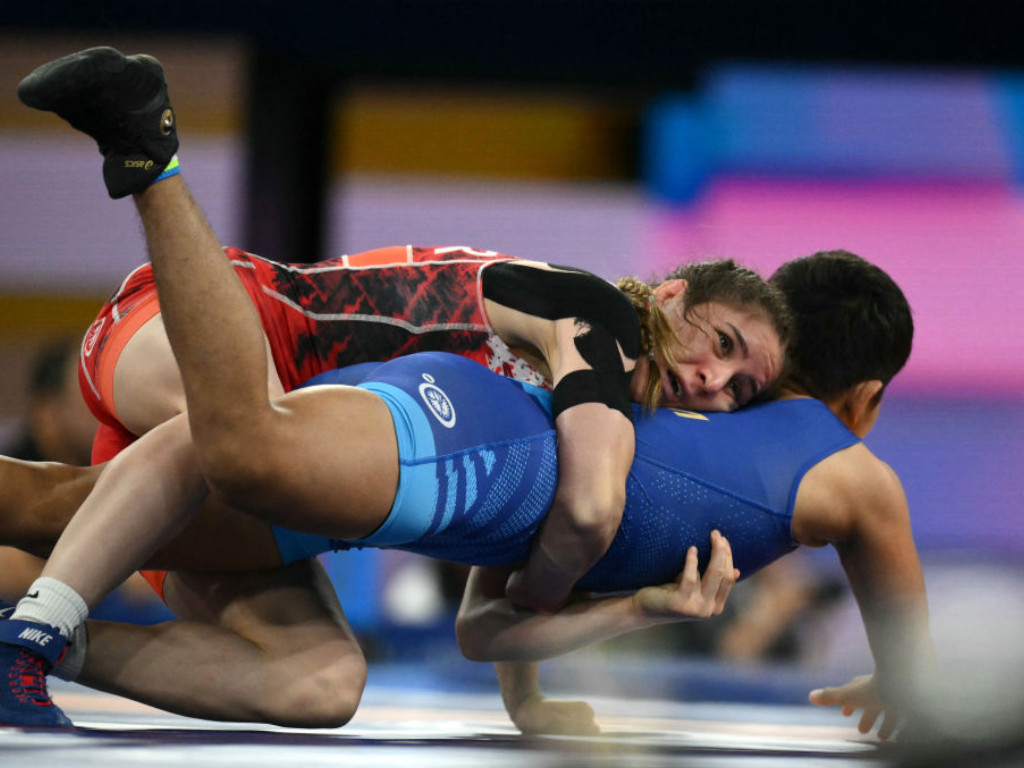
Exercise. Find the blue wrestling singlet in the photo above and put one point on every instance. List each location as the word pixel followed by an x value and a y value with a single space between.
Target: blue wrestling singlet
pixel 478 455
pixel 478 460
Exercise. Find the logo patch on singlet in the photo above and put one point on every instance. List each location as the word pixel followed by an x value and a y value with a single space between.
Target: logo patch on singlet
pixel 689 414
pixel 92 335
pixel 437 401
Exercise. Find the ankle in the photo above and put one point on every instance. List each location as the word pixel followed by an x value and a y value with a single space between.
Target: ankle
pixel 53 603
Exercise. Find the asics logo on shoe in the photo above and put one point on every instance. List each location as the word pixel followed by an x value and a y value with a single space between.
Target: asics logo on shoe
pixel 37 636
pixel 143 164
pixel 167 122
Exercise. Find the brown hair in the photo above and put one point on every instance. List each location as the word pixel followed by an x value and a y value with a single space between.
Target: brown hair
pixel 724 281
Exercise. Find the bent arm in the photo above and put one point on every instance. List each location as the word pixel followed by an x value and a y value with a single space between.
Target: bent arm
pixel 490 628
pixel 595 452
pixel 587 335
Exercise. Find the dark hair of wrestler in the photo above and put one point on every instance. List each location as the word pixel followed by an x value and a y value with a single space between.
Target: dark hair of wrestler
pixel 852 322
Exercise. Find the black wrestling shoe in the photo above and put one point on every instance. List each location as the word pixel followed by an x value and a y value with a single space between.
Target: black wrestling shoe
pixel 121 101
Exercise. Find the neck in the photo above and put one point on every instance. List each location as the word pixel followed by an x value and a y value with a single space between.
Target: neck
pixel 790 391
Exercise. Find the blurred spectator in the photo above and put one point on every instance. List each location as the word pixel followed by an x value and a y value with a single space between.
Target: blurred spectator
pixel 778 602
pixel 59 427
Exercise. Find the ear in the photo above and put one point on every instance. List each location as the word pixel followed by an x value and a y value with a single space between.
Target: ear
pixel 859 406
pixel 669 290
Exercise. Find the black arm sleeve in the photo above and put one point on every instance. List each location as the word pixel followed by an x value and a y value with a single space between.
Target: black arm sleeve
pixel 611 321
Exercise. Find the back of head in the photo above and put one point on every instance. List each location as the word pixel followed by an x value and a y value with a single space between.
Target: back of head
pixel 852 322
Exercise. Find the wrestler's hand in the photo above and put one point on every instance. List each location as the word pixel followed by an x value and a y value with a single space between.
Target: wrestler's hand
pixel 692 596
pixel 537 715
pixel 861 693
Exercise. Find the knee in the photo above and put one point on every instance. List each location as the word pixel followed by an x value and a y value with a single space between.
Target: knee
pixel 326 698
pixel 233 472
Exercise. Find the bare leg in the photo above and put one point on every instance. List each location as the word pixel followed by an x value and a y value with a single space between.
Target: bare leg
pixel 299 479
pixel 208 320
pixel 142 499
pixel 150 490
pixel 264 647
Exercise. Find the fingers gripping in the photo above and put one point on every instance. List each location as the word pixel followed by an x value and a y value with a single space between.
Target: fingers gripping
pixel 720 575
pixel 706 595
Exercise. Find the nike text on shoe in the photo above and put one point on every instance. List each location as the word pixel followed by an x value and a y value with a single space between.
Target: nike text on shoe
pixel 27 653
pixel 121 101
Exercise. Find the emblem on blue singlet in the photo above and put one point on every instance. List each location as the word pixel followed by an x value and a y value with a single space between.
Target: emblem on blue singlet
pixel 689 414
pixel 437 401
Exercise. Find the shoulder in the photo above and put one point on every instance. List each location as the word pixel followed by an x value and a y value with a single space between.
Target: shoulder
pixel 838 492
pixel 555 292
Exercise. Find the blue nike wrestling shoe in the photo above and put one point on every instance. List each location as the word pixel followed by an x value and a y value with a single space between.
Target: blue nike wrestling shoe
pixel 121 101
pixel 28 651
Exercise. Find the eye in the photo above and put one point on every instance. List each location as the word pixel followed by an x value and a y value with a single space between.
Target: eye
pixel 725 342
pixel 741 391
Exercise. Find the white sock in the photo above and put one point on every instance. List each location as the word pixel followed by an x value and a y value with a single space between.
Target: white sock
pixel 70 666
pixel 52 602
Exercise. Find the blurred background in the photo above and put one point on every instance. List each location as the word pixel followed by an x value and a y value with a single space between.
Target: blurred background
pixel 623 137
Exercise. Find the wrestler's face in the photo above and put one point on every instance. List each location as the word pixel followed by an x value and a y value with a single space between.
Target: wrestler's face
pixel 724 355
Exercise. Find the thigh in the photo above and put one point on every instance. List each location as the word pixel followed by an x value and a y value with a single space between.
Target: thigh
pixel 147 383
pixel 292 607
pixel 220 538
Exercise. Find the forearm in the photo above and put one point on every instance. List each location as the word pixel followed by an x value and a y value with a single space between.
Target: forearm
pixel 897 631
pixel 595 451
pixel 493 629
pixel 887 582
pixel 563 551
pixel 37 500
pixel 517 681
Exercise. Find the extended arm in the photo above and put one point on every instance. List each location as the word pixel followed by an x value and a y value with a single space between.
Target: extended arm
pixel 877 551
pixel 587 336
pixel 882 566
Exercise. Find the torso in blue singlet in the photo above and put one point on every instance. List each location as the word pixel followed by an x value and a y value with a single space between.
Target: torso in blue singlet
pixel 478 474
